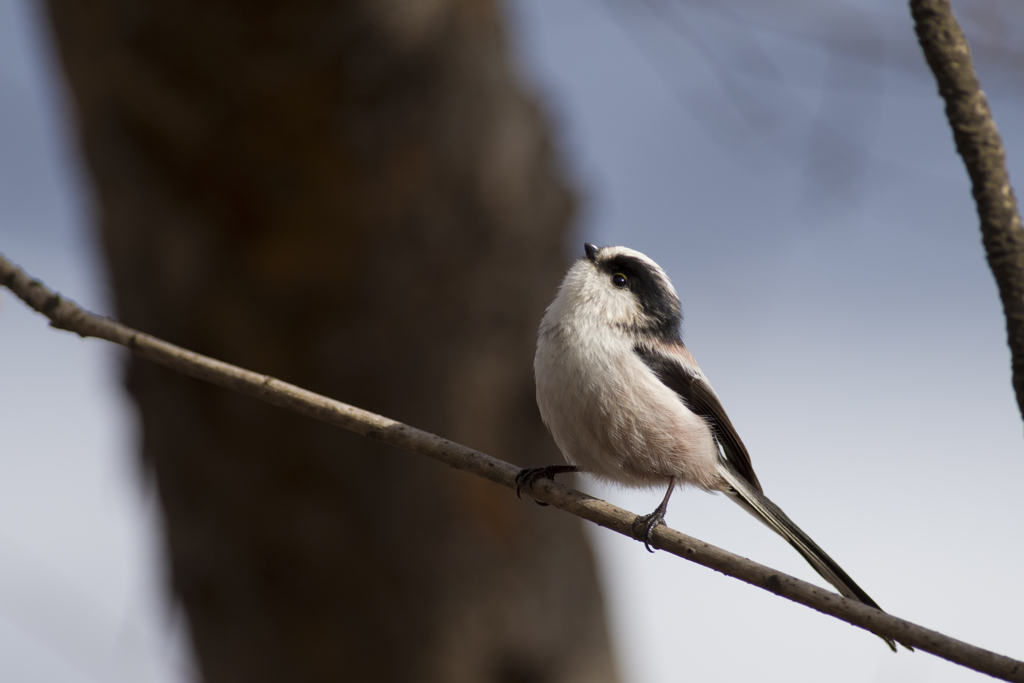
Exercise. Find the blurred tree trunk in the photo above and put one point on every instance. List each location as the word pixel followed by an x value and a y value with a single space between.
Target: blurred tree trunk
pixel 359 198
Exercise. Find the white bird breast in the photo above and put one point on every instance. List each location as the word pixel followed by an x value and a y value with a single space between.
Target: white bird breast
pixel 607 411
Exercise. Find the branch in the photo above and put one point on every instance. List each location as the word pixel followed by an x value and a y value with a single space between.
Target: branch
pixel 978 142
pixel 65 314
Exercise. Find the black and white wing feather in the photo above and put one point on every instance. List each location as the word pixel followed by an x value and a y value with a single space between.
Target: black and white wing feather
pixel 676 368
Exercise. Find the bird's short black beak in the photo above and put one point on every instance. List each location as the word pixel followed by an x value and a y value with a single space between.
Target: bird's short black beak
pixel 591 252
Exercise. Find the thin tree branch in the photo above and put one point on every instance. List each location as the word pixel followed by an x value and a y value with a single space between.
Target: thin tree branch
pixel 65 314
pixel 978 142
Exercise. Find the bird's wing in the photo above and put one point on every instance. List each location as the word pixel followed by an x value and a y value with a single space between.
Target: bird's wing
pixel 676 368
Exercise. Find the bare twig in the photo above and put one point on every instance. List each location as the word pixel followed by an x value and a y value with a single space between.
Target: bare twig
pixel 978 142
pixel 65 314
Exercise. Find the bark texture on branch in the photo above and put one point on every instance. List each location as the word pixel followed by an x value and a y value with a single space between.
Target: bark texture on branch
pixel 357 197
pixel 978 142
pixel 66 315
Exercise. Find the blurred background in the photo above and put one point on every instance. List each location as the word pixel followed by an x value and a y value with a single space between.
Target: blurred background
pixel 376 201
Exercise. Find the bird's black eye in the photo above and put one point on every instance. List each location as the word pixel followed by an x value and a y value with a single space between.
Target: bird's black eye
pixel 619 280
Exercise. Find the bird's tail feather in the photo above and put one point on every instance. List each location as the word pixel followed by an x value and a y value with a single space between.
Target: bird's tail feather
pixel 755 502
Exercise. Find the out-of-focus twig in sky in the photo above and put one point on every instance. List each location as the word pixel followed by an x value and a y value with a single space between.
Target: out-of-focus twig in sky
pixel 803 84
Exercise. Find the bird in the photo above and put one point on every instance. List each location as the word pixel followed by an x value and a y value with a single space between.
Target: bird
pixel 626 402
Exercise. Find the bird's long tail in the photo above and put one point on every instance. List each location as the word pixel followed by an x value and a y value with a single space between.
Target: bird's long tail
pixel 755 502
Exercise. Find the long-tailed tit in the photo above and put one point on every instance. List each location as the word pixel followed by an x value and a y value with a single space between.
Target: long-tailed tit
pixel 626 402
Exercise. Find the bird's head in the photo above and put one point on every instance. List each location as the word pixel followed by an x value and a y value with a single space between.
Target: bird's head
pixel 623 288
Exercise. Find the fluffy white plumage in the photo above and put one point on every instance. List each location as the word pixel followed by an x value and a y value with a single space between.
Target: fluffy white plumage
pixel 606 409
pixel 626 402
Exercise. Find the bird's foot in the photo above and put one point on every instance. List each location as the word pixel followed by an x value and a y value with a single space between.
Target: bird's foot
pixel 648 523
pixel 644 526
pixel 527 476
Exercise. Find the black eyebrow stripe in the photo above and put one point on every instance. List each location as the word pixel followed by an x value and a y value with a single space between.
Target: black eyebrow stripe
pixel 650 287
pixel 630 265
